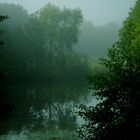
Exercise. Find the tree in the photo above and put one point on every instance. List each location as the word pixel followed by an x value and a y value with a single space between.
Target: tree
pixel 51 34
pixel 18 15
pixel 2 18
pixel 5 108
pixel 44 70
pixel 117 115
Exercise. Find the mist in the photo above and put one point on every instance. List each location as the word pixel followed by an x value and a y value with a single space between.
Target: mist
pixel 100 12
pixel 61 63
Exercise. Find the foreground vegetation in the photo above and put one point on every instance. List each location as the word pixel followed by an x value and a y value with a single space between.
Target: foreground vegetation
pixel 117 115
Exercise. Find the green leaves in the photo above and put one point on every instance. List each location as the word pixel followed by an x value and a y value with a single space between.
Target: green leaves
pixel 2 18
pixel 114 117
pixel 45 72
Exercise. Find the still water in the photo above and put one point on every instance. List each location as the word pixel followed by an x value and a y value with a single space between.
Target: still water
pixel 48 116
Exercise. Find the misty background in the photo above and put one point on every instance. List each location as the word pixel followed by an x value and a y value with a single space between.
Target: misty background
pixel 56 80
pixel 100 12
pixel 101 21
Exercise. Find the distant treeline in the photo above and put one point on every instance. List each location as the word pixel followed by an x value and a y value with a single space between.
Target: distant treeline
pixel 95 40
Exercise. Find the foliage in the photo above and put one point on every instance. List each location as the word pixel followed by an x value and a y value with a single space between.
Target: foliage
pixel 46 76
pixel 2 18
pixel 5 108
pixel 18 15
pixel 117 115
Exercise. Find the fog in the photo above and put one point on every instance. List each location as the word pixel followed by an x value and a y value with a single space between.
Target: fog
pixel 50 52
pixel 100 12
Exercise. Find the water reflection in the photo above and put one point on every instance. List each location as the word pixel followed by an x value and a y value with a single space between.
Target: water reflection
pixel 47 135
pixel 45 109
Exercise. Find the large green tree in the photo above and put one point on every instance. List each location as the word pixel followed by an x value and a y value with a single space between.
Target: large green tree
pixel 46 76
pixel 51 34
pixel 117 115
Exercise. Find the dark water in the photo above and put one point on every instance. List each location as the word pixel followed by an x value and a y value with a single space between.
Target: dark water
pixel 44 111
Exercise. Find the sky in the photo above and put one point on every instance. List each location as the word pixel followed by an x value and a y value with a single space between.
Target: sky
pixel 100 12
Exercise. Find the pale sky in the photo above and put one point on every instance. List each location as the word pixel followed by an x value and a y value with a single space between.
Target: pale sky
pixel 99 12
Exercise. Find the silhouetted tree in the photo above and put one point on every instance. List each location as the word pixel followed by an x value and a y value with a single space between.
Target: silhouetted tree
pixel 5 108
pixel 2 18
